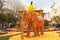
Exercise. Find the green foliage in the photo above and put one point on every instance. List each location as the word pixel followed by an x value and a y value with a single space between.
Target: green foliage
pixel 57 19
pixel 11 18
pixel 7 18
pixel 7 37
pixel 3 17
pixel 46 22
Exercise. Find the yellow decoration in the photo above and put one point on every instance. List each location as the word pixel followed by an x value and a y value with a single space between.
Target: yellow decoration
pixel 30 8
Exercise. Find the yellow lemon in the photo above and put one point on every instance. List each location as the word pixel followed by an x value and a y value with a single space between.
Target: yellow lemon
pixel 30 8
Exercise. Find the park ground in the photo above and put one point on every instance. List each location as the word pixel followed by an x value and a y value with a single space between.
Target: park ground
pixel 48 35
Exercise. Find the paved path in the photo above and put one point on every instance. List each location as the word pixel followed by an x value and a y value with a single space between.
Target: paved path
pixel 13 32
pixel 47 36
pixel 10 33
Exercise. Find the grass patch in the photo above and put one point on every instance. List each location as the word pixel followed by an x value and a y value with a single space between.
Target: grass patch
pixel 3 32
pixel 7 37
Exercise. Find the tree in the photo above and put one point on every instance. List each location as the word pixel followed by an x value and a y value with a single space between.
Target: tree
pixel 57 19
pixel 46 22
pixel 11 18
pixel 3 17
pixel 14 5
pixel 1 4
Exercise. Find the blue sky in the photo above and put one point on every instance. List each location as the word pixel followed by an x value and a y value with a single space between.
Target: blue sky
pixel 44 4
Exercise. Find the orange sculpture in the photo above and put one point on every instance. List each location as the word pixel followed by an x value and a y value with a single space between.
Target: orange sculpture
pixel 22 23
pixel 40 22
pixel 30 9
pixel 35 21
pixel 31 23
